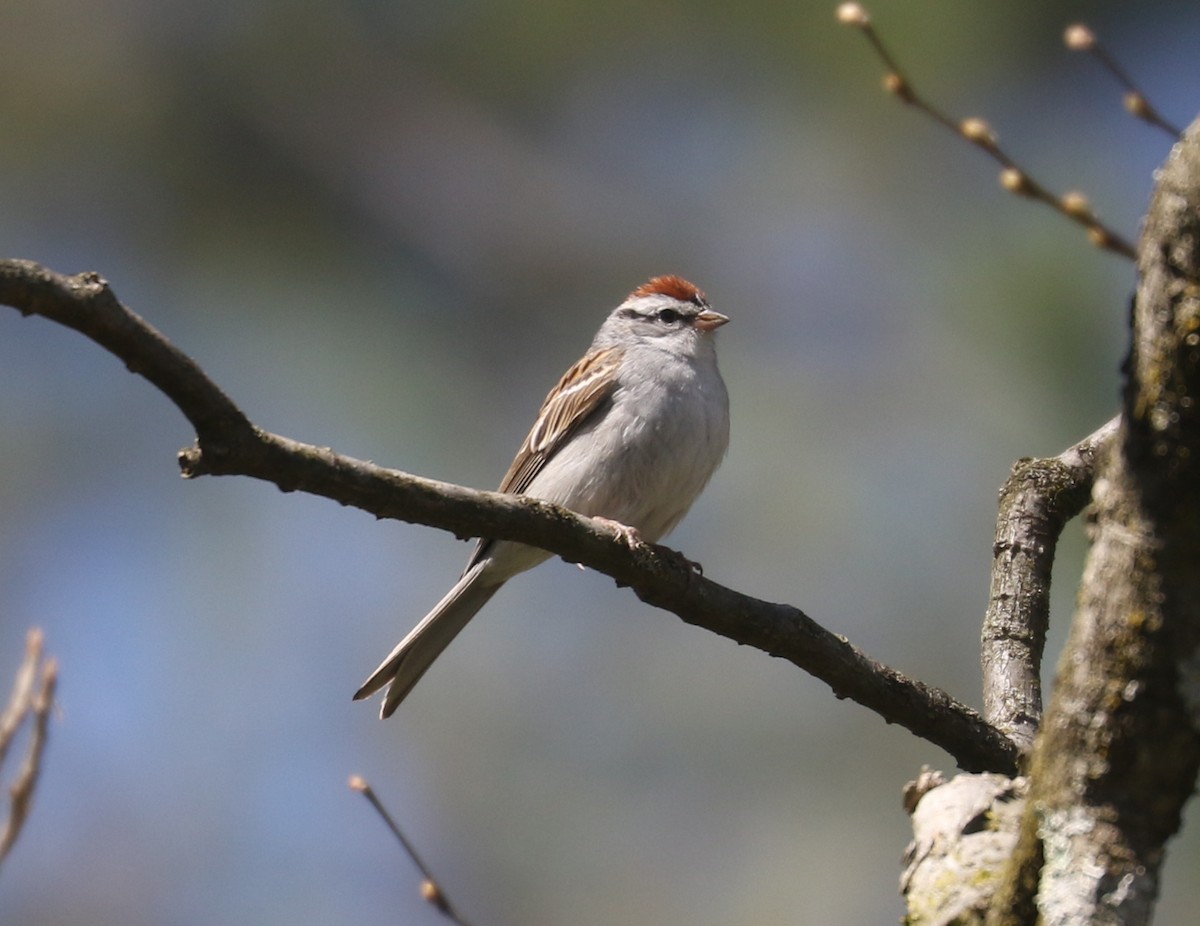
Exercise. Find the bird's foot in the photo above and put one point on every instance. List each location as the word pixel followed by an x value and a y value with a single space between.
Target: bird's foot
pixel 627 533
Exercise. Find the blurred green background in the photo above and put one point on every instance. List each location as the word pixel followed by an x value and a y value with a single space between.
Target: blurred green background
pixel 388 227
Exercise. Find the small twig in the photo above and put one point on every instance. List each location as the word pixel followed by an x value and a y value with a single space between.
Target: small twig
pixel 1013 177
pixel 431 891
pixel 1079 37
pixel 33 695
pixel 22 693
pixel 1035 504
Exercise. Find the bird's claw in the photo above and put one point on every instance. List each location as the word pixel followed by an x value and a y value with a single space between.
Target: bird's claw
pixel 628 534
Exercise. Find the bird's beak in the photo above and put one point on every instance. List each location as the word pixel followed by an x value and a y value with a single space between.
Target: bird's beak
pixel 708 320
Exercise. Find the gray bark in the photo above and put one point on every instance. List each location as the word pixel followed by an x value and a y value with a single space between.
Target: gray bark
pixel 1117 755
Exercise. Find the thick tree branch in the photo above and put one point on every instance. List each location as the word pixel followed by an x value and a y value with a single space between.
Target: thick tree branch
pixel 1036 502
pixel 1119 751
pixel 228 444
pixel 86 303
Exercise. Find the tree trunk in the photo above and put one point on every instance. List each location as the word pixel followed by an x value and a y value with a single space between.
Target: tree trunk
pixel 1119 752
pixel 1117 755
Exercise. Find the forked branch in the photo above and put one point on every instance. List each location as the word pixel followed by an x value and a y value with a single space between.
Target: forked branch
pixel 32 699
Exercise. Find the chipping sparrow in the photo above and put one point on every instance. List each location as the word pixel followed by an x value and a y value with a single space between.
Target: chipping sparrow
pixel 631 433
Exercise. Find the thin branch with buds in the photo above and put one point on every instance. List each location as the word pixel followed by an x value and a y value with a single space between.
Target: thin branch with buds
pixel 1013 177
pixel 1079 37
pixel 32 697
pixel 431 891
pixel 228 444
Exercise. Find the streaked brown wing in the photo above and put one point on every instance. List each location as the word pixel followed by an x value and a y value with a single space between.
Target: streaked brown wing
pixel 578 394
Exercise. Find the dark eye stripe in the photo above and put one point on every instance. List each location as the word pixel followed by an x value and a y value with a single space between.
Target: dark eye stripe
pixel 666 316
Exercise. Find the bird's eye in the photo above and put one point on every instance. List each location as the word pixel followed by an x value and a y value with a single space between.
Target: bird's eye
pixel 668 316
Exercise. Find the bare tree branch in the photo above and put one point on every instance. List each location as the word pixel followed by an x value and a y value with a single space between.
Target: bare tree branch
pixel 32 696
pixel 228 444
pixel 1036 502
pixel 1013 177
pixel 971 836
pixel 1119 752
pixel 431 891
pixel 22 692
pixel 1079 37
